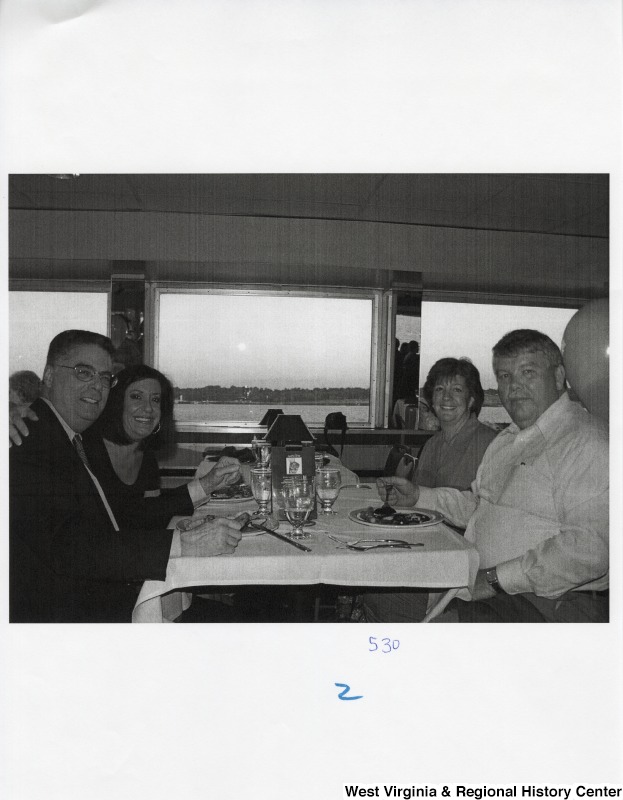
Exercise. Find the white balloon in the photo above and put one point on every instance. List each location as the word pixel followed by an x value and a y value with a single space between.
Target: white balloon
pixel 585 352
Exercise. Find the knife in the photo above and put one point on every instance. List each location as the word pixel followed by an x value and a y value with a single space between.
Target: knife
pixel 283 537
pixel 247 522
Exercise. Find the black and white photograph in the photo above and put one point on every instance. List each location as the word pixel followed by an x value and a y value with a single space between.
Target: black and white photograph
pixel 312 338
pixel 158 366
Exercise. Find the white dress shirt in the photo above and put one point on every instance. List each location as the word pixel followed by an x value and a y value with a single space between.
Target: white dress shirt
pixel 538 509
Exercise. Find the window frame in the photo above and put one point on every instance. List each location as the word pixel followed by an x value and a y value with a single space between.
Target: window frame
pixel 156 289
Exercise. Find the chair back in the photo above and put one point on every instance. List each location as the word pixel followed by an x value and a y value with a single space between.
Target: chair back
pixel 335 421
pixel 400 462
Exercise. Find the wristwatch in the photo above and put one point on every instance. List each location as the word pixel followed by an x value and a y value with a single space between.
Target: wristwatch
pixel 491 576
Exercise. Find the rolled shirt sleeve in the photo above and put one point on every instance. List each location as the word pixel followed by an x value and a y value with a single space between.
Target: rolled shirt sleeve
pixel 458 507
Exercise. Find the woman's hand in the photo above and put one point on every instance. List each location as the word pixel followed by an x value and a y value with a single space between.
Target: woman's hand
pixel 225 472
pixel 397 491
pixel 214 538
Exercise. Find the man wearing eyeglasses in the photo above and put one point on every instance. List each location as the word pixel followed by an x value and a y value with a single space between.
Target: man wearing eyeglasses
pixel 69 562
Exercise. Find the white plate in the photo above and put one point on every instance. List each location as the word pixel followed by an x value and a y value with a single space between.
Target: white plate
pixel 428 518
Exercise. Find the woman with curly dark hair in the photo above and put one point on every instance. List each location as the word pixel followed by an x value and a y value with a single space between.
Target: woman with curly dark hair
pixel 136 422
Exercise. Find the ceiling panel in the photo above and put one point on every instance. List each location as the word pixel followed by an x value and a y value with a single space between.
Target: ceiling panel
pixel 557 204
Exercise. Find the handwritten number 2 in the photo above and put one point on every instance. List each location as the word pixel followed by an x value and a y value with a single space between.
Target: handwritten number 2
pixel 343 695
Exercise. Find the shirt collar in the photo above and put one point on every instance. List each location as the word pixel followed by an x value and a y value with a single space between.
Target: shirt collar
pixel 69 431
pixel 547 423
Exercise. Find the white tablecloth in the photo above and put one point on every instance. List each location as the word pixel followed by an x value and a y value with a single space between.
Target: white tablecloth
pixel 445 561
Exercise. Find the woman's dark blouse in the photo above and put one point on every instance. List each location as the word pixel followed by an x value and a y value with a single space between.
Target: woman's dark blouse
pixel 129 504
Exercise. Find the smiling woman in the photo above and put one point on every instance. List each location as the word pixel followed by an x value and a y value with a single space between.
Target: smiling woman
pixel 121 447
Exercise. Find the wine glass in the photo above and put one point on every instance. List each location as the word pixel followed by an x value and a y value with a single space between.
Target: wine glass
pixel 261 451
pixel 319 459
pixel 328 481
pixel 261 486
pixel 298 499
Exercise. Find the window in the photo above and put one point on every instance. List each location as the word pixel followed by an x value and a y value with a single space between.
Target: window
pixel 232 355
pixel 36 317
pixel 471 330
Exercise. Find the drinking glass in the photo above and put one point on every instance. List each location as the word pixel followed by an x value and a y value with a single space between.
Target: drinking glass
pixel 328 481
pixel 298 500
pixel 261 451
pixel 261 486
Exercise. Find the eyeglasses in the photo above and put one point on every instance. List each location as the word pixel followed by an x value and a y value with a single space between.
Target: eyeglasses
pixel 85 374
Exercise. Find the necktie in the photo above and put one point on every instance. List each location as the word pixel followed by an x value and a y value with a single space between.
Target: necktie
pixel 77 442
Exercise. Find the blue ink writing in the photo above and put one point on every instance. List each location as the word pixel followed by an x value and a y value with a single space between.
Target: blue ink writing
pixel 387 645
pixel 345 689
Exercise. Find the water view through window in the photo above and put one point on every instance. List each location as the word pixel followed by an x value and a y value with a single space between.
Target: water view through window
pixel 231 357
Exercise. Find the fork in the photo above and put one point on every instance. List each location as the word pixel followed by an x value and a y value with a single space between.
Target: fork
pixel 385 510
pixel 362 549
pixel 382 542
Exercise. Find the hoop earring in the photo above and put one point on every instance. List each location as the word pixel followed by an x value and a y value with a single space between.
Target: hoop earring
pixel 156 429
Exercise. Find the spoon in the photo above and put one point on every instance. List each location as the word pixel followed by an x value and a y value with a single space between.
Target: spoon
pixel 385 510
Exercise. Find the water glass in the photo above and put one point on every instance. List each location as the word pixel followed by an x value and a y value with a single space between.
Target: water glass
pixel 261 451
pixel 328 482
pixel 298 499
pixel 261 486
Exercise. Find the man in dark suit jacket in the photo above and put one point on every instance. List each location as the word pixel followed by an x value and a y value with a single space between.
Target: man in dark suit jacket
pixel 68 563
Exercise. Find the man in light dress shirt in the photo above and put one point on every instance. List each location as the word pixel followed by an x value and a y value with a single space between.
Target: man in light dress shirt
pixel 538 510
pixel 69 562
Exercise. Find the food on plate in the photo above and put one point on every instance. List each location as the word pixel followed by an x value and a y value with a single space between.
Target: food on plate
pixel 383 511
pixel 411 518
pixel 239 491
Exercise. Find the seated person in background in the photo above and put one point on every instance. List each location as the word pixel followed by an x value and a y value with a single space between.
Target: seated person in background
pixel 69 559
pixel 427 421
pixel 127 352
pixel 407 389
pixel 400 412
pixel 24 388
pixel 538 510
pixel 449 458
pixel 136 421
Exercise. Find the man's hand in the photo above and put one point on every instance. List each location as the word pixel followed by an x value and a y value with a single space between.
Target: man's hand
pixel 225 472
pixel 401 493
pixel 482 589
pixel 17 426
pixel 213 538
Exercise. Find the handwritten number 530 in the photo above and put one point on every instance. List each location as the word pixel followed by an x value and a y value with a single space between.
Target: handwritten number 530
pixel 386 645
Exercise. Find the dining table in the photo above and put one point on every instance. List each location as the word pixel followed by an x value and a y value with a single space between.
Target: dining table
pixel 439 559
